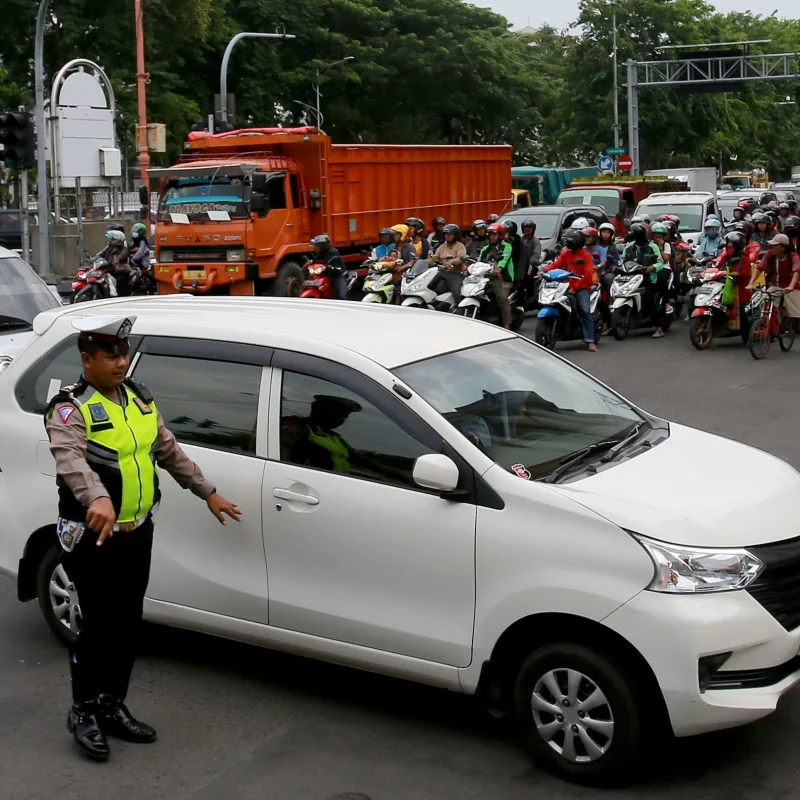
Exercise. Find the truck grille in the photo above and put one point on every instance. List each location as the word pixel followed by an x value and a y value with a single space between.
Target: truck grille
pixel 198 254
pixel 778 586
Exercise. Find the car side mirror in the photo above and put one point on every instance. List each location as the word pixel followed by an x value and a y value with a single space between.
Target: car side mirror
pixel 435 471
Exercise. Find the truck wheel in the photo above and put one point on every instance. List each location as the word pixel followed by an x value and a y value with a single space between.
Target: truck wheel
pixel 621 323
pixel 289 280
pixel 582 714
pixel 58 599
pixel 701 332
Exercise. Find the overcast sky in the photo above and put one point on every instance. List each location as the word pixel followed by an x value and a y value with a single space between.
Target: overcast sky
pixel 560 13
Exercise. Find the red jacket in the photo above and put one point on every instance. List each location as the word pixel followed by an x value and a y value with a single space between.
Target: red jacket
pixel 566 260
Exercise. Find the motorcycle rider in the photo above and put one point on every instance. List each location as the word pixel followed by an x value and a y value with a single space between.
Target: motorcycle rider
pixel 498 253
pixel 736 258
pixel 784 212
pixel 742 211
pixel 661 238
pixel 711 242
pixel 575 258
pixel 415 233
pixel 792 229
pixel 436 237
pixel 450 256
pixel 479 238
pixel 763 231
pixel 492 219
pixel 533 247
pixel 518 252
pixel 607 236
pixel 117 255
pixel 140 247
pixel 386 246
pixel 649 256
pixel 781 265
pixel 332 259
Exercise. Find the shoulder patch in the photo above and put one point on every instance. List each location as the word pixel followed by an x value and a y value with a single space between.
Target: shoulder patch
pixel 65 412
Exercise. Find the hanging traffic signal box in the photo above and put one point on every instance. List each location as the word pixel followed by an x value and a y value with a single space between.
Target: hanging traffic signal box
pixel 16 136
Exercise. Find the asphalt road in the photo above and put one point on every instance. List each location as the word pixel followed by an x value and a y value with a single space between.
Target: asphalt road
pixel 240 723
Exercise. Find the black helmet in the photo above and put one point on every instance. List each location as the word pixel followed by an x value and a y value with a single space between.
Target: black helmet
pixel 638 233
pixel 438 221
pixel 416 223
pixel 760 217
pixel 783 206
pixel 574 239
pixel 791 224
pixel 322 241
pixel 737 240
pixel 452 228
pixel 387 235
pixel 492 218
pixel 671 227
pixel 528 223
pixel 511 227
pixel 792 204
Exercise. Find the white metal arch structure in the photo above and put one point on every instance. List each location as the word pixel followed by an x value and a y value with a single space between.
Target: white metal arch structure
pixel 722 70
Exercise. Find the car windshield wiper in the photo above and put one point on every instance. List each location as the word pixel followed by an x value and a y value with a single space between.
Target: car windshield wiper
pixel 618 448
pixel 573 459
pixel 13 322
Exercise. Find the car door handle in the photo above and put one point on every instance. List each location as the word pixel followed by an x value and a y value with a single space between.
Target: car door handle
pixel 295 497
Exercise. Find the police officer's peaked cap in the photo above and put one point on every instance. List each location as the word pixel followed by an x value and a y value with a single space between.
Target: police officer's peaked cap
pixel 105 330
pixel 344 404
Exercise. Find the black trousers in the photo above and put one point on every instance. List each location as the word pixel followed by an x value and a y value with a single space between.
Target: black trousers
pixel 111 581
pixel 448 281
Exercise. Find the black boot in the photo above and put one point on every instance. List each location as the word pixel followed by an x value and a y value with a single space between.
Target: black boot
pixel 116 720
pixel 83 725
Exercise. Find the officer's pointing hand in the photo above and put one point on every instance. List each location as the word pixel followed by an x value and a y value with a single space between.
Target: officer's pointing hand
pixel 100 517
pixel 219 506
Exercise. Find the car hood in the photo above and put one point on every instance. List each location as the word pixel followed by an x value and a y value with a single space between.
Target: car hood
pixel 697 489
pixel 15 342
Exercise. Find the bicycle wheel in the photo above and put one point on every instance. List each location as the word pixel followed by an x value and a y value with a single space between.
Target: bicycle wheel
pixel 787 334
pixel 760 338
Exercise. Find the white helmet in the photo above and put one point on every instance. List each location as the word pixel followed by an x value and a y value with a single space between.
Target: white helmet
pixel 115 236
pixel 581 223
pixel 607 226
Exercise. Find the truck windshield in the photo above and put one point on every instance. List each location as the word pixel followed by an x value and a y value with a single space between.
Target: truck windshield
pixel 195 197
pixel 691 215
pixel 607 199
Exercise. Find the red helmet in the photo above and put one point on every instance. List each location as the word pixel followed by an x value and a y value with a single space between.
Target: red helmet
pixel 683 246
pixel 745 205
pixel 590 231
pixel 497 228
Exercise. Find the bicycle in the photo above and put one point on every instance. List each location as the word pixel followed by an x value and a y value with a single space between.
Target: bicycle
pixel 772 324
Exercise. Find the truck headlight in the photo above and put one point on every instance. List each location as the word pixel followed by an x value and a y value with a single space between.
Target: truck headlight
pixel 165 256
pixel 690 570
pixel 235 255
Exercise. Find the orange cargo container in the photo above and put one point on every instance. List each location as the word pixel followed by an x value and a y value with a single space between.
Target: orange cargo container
pixel 236 214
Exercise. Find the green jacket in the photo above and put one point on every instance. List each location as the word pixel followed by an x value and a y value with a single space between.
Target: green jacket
pixel 502 259
pixel 633 252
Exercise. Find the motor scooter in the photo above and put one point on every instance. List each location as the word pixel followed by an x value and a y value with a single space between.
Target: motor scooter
pixel 477 302
pixel 94 282
pixel 318 284
pixel 416 291
pixel 711 319
pixel 628 311
pixel 379 284
pixel 558 318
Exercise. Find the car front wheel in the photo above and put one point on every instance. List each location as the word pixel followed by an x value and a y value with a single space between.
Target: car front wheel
pixel 58 598
pixel 581 714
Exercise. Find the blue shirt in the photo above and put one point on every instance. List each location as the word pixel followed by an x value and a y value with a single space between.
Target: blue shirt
pixel 599 254
pixel 708 246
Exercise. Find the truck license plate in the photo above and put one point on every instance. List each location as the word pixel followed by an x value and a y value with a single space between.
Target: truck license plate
pixel 194 274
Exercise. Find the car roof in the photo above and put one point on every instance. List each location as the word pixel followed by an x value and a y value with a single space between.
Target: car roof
pixel 388 335
pixel 521 212
pixel 685 197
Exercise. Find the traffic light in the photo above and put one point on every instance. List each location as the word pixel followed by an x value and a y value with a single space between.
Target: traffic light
pixel 16 136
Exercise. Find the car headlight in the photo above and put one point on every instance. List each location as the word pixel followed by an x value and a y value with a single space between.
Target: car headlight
pixel 691 570
pixel 5 363
pixel 165 256
pixel 235 255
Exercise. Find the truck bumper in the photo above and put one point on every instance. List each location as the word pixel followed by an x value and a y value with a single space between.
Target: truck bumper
pixel 238 278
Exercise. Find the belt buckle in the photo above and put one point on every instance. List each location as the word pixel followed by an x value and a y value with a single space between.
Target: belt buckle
pixel 127 527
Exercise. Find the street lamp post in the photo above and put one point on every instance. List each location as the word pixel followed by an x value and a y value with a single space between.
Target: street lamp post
pixel 41 139
pixel 616 82
pixel 316 85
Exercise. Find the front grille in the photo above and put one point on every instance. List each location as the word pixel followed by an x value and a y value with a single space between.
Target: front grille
pixel 778 586
pixel 186 254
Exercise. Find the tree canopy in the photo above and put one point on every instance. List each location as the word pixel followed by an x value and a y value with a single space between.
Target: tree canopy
pixel 424 71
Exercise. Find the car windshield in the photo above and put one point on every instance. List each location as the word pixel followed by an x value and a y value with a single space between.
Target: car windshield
pixel 525 408
pixel 691 215
pixel 22 295
pixel 195 197
pixel 607 199
pixel 546 224
pixel 726 206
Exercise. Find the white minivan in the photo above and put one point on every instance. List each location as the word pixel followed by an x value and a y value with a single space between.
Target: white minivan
pixel 485 517
pixel 693 208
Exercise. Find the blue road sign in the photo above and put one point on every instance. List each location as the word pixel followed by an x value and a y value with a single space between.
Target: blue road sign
pixel 604 163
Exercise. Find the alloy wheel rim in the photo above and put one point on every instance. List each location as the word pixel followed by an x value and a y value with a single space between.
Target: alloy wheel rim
pixel 64 600
pixel 572 715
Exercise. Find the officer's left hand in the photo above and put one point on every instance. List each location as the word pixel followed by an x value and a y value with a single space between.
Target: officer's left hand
pixel 219 506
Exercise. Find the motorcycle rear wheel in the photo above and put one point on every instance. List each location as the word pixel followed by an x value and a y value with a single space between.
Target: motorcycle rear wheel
pixel 546 332
pixel 760 339
pixel 621 323
pixel 701 332
pixel 90 292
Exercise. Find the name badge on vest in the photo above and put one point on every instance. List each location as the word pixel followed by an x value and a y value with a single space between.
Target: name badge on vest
pixel 142 406
pixel 98 412
pixel 69 533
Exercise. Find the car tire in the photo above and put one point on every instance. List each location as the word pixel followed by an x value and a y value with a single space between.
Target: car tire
pixel 51 571
pixel 605 745
pixel 288 281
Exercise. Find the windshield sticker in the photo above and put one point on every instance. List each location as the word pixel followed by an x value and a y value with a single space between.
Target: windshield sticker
pixel 178 218
pixel 218 216
pixel 521 471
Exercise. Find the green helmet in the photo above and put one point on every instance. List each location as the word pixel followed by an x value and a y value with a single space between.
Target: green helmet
pixel 138 231
pixel 657 227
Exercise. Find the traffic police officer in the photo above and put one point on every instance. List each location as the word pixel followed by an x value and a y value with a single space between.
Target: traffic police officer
pixel 107 436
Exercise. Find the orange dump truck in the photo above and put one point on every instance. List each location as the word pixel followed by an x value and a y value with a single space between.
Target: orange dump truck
pixel 236 213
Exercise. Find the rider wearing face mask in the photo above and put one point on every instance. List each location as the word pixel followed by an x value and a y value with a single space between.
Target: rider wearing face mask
pixel 711 242
pixel 479 238
pixel 649 256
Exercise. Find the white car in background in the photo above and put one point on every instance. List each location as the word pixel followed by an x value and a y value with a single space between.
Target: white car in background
pixel 23 295
pixel 692 207
pixel 486 518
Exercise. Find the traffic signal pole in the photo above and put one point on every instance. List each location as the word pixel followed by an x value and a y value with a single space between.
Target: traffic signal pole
pixel 43 264
pixel 26 224
pixel 142 78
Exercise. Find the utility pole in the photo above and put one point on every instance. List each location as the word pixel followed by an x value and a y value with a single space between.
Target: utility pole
pixel 41 139
pixel 316 85
pixel 616 83
pixel 142 78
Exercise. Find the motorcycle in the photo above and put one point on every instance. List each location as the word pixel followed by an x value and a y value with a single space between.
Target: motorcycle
pixel 142 280
pixel 476 304
pixel 691 279
pixel 416 292
pixel 558 317
pixel 318 283
pixel 94 282
pixel 627 300
pixel 711 319
pixel 379 283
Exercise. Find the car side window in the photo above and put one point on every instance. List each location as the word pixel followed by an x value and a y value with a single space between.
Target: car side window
pixel 326 426
pixel 207 403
